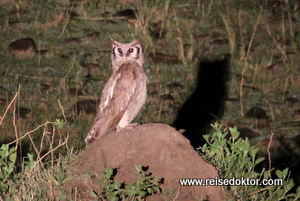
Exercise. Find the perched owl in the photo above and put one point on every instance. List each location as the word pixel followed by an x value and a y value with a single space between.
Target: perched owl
pixel 125 92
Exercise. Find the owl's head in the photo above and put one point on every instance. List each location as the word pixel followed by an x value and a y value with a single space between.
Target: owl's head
pixel 124 52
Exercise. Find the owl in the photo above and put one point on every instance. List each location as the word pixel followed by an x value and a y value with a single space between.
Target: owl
pixel 124 93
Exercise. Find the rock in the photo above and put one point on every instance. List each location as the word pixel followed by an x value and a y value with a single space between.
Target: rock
pixel 22 48
pixel 168 154
pixel 167 97
pixel 259 116
pixel 174 85
pixel 23 112
pixel 256 113
pixel 296 114
pixel 128 13
pixel 220 42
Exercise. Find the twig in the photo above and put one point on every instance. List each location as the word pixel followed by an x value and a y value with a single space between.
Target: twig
pixel 58 146
pixel 269 154
pixel 36 150
pixel 255 192
pixel 13 100
pixel 14 119
pixel 177 194
pixel 62 109
pixel 253 33
pixel 66 23
pixel 29 132
pixel 230 32
pixel 241 91
pixel 51 147
pixel 286 83
pixel 282 51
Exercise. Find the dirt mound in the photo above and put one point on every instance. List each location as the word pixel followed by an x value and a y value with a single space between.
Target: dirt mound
pixel 168 154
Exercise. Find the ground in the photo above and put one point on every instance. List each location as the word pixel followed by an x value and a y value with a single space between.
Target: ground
pixel 57 54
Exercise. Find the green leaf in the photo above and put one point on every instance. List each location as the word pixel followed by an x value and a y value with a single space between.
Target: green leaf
pixel 93 194
pixel 142 193
pixel 234 133
pixel 253 152
pixel 257 161
pixel 13 157
pixel 1 175
pixel 285 172
pixel 298 190
pixel 53 178
pixel 206 137
pixel 116 185
pixel 30 162
pixel 138 168
pixel 3 187
pixel 66 179
pixel 3 150
pixel 109 172
pixel 59 123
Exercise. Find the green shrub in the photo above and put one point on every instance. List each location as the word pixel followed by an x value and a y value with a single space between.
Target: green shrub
pixel 7 165
pixel 236 158
pixel 112 190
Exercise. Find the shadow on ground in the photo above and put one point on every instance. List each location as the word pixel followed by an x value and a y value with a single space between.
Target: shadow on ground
pixel 206 104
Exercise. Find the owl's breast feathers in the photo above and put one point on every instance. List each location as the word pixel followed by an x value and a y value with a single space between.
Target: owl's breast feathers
pixel 122 86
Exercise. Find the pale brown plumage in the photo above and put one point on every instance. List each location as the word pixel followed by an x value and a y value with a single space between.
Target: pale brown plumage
pixel 124 93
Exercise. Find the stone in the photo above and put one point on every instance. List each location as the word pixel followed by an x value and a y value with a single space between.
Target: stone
pixel 256 113
pixel 22 48
pixel 166 152
pixel 296 114
pixel 259 116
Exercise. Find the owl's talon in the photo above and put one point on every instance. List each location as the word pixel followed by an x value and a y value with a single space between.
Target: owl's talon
pixel 129 126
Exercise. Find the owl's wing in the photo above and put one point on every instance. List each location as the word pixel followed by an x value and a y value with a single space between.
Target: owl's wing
pixel 114 101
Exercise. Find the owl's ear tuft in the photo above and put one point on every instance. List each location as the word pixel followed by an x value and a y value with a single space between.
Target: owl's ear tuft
pixel 113 42
pixel 135 42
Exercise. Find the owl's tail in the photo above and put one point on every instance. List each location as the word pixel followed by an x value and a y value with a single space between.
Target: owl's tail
pixel 91 135
pixel 94 133
pixel 98 130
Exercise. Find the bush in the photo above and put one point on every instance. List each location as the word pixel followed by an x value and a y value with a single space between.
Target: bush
pixel 7 165
pixel 146 185
pixel 236 158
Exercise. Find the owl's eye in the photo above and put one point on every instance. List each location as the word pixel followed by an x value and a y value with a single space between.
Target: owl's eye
pixel 130 50
pixel 120 50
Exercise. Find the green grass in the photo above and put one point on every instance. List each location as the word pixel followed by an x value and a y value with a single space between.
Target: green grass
pixel 257 34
